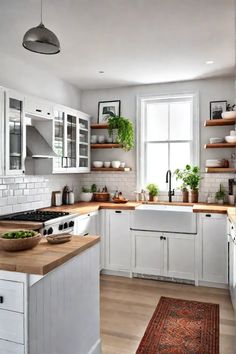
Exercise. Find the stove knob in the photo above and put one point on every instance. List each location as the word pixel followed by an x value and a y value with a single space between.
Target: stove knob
pixel 65 225
pixel 71 223
pixel 60 227
pixel 50 230
pixel 45 232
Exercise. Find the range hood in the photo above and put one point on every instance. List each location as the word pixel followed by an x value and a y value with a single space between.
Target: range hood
pixel 37 146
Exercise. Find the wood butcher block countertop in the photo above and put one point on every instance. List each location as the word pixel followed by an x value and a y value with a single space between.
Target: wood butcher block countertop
pixel 45 257
pixel 9 225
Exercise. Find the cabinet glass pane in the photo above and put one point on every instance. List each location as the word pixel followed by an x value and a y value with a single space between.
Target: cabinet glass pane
pixel 59 147
pixel 71 141
pixel 83 162
pixel 15 131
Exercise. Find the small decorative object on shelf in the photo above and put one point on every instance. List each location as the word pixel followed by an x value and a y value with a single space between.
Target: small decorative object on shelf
pixel 216 109
pixel 122 130
pixel 220 195
pixel 153 190
pixel 105 108
pixel 229 113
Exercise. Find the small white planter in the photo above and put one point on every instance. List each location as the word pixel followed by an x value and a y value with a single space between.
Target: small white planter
pixel 220 201
pixel 85 197
pixel 228 115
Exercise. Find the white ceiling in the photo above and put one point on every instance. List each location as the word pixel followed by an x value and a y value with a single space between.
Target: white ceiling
pixel 132 41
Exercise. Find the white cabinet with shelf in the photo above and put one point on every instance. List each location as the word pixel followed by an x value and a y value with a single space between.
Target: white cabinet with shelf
pixel 214 249
pixel 118 241
pixel 15 134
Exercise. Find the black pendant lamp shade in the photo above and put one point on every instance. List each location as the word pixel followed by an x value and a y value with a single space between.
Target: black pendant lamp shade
pixel 41 40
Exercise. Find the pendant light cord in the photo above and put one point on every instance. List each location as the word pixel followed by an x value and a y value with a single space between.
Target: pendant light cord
pixel 41 11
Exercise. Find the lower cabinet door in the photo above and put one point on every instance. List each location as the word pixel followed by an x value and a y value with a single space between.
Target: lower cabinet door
pixel 148 250
pixel 180 256
pixel 11 348
pixel 12 326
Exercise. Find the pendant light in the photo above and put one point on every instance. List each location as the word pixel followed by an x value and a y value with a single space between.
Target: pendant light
pixel 40 39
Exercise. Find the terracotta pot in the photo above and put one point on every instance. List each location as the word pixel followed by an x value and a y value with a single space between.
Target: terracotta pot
pixel 155 198
pixel 194 196
pixel 151 198
pixel 185 194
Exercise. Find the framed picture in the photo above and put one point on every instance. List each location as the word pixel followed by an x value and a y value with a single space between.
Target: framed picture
pixel 216 108
pixel 105 107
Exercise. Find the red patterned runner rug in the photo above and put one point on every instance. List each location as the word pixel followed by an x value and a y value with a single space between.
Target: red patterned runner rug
pixel 182 327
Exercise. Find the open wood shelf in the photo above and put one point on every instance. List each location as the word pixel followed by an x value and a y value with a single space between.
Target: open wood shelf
pixel 106 146
pixel 219 122
pixel 220 145
pixel 99 126
pixel 110 169
pixel 220 170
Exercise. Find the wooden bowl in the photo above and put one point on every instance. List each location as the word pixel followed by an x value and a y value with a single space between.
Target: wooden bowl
pixel 57 239
pixel 120 201
pixel 13 245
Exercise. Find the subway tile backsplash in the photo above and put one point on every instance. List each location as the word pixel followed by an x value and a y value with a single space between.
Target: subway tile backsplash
pixel 32 192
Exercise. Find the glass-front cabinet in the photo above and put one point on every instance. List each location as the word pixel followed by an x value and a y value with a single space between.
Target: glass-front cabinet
pixel 15 133
pixel 2 117
pixel 71 141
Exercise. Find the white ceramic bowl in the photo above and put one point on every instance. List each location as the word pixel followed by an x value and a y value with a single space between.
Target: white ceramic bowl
pixel 228 115
pixel 85 197
pixel 115 164
pixel 107 164
pixel 122 164
pixel 230 139
pixel 97 164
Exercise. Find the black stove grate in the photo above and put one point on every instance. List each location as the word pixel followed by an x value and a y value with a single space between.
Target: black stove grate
pixel 36 215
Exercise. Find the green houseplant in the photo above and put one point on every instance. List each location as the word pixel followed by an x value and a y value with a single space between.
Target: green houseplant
pixel 153 190
pixel 181 175
pixel 87 193
pixel 220 195
pixel 123 129
pixel 191 178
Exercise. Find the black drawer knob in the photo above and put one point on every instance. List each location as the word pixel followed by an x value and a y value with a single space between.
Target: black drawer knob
pixel 1 299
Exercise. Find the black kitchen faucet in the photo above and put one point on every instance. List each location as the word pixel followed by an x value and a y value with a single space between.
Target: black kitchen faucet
pixel 168 180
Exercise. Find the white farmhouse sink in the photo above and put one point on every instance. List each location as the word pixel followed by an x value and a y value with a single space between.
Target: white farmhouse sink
pixel 181 208
pixel 165 218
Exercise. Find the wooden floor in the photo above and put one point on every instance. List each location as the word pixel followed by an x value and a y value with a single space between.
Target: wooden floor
pixel 128 304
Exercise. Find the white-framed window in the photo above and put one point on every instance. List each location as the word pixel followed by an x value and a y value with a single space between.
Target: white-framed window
pixel 167 136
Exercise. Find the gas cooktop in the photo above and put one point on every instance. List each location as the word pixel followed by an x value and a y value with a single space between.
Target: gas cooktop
pixel 35 215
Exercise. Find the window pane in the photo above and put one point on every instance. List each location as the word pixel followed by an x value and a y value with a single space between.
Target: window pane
pixel 157 121
pixel 179 156
pixel 157 164
pixel 180 121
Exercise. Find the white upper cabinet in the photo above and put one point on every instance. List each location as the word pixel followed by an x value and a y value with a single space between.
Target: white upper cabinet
pixel 40 108
pixel 71 134
pixel 1 131
pixel 15 137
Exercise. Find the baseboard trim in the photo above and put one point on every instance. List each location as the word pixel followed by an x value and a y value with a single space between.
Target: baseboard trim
pixel 96 348
pixel 119 273
pixel 212 285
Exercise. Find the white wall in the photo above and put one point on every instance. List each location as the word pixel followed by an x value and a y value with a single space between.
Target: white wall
pixel 209 90
pixel 25 78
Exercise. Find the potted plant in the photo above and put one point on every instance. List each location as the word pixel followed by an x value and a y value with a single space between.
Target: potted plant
pixel 153 190
pixel 182 175
pixel 87 194
pixel 122 131
pixel 220 195
pixel 193 180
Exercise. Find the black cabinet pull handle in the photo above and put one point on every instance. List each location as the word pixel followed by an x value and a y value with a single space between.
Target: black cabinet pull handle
pixel 161 238
pixel 232 227
pixel 118 211
pixel 86 234
pixel 208 215
pixel 1 299
pixel 38 110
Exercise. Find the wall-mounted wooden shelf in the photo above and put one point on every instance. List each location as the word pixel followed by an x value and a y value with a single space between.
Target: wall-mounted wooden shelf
pixel 110 169
pixel 220 170
pixel 219 122
pixel 99 126
pixel 106 146
pixel 220 145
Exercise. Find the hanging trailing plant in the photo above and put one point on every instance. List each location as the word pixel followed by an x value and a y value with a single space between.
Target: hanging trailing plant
pixel 125 130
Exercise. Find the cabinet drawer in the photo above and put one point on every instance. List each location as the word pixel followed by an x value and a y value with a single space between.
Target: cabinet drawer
pixel 12 326
pixel 12 296
pixel 11 348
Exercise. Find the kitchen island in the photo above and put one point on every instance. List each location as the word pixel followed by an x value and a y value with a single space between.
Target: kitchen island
pixel 49 299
